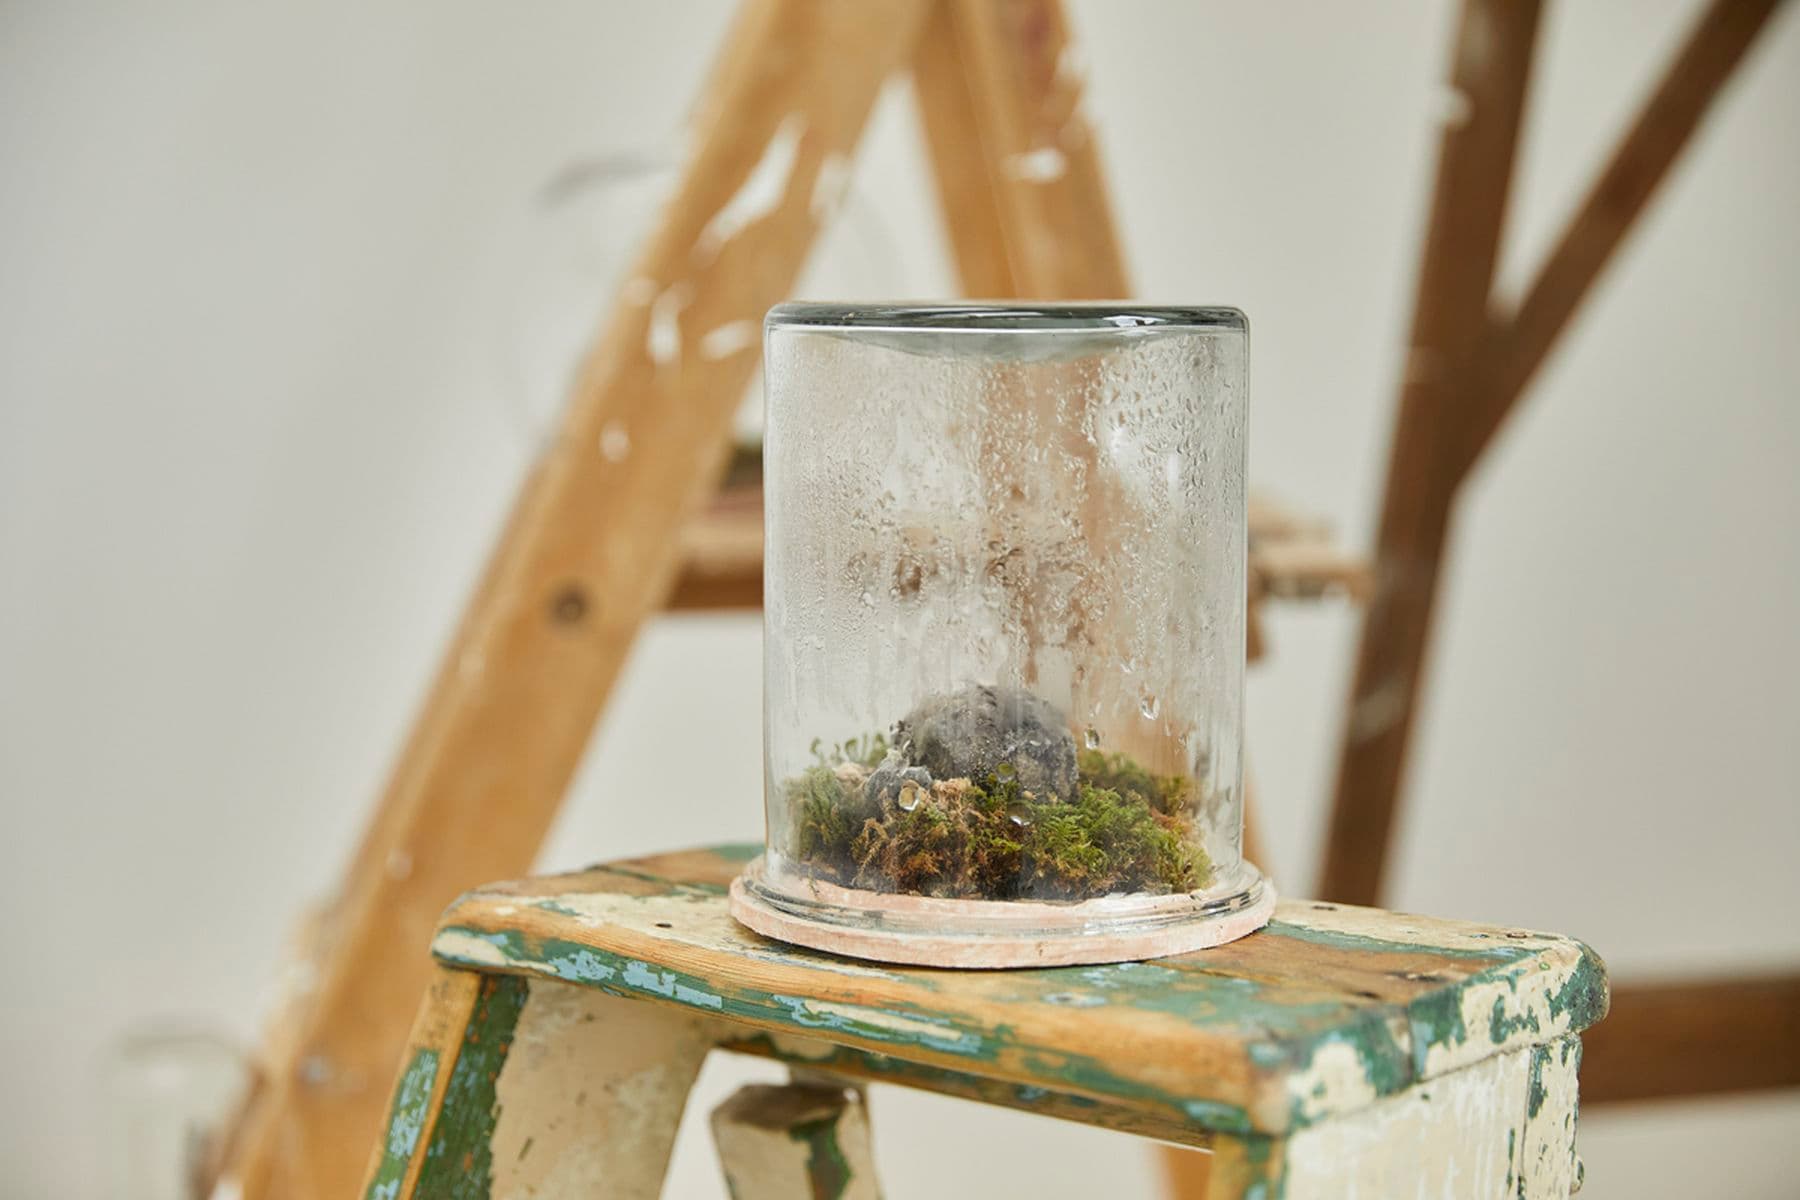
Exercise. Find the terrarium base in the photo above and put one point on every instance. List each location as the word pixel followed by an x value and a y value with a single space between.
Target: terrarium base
pixel 1011 934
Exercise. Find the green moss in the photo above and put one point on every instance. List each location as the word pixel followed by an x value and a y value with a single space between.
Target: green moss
pixel 1122 774
pixel 1126 830
pixel 821 821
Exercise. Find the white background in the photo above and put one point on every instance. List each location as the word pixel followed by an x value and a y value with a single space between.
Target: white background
pixel 259 397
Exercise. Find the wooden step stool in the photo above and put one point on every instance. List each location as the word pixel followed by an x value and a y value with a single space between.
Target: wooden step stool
pixel 1341 1051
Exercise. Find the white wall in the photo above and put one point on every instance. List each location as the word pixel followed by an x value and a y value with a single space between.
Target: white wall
pixel 259 421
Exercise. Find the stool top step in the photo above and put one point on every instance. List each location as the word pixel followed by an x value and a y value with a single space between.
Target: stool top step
pixel 1327 1009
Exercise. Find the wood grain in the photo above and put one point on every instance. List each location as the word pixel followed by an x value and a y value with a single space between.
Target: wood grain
pixel 1450 313
pixel 432 1051
pixel 1328 1009
pixel 589 553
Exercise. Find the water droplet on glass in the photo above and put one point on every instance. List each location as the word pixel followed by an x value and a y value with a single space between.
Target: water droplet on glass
pixel 1149 706
pixel 868 599
pixel 1004 770
pixel 1093 738
pixel 1019 813
pixel 910 795
pixel 615 443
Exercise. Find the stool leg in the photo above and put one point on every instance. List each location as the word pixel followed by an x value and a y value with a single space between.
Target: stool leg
pixel 1236 1169
pixel 803 1139
pixel 536 1088
pixel 1187 1172
pixel 1504 1126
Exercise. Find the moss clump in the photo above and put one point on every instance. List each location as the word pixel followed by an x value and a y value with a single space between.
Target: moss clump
pixel 1125 830
pixel 1122 774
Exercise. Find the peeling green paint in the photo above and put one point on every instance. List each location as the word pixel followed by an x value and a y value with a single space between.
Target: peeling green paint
pixel 406 1121
pixel 1583 996
pixel 632 978
pixel 1216 1116
pixel 1280 1024
pixel 1362 943
pixel 828 1171
pixel 555 906
pixel 1501 1026
pixel 1203 999
pixel 1269 1169
pixel 1535 1091
pixel 459 1159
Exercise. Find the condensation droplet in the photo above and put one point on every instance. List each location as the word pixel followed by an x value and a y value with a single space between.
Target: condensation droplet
pixel 1019 813
pixel 868 599
pixel 1093 738
pixel 1149 706
pixel 1004 770
pixel 910 795
pixel 615 443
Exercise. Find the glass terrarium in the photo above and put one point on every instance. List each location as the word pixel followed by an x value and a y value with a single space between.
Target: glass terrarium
pixel 1004 634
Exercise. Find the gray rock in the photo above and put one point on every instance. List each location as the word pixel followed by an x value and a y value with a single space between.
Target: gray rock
pixel 982 730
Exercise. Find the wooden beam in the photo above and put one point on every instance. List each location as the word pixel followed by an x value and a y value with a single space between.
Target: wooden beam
pixel 967 193
pixel 1492 67
pixel 1515 348
pixel 1694 1039
pixel 1023 97
pixel 589 553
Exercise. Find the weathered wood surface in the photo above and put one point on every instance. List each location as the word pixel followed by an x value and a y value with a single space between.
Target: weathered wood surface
pixel 1322 1013
pixel 797 1141
pixel 1501 1127
pixel 589 553
pixel 541 1089
pixel 438 1037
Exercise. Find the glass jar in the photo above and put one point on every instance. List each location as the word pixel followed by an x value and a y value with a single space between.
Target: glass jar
pixel 1004 608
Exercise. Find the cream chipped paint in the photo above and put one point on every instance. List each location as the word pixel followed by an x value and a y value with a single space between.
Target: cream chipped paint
pixel 1502 1127
pixel 733 337
pixel 1336 1080
pixel 691 917
pixel 763 190
pixel 591 1094
pixel 830 186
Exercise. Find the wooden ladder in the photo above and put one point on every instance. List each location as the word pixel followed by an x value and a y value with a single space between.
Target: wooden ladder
pixel 595 546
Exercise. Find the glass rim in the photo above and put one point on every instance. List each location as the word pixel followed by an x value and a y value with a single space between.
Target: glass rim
pixel 999 317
